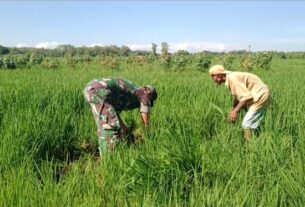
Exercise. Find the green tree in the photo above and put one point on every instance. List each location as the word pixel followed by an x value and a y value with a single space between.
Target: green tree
pixel 182 52
pixel 164 48
pixel 70 61
pixel 35 58
pixel 263 60
pixel 9 62
pixel 154 49
pixel 166 61
pixel 125 51
pixel 50 63
pixel 202 62
pixel 1 62
pixel 68 49
pixel 22 60
pixel 180 62
pixel 228 61
pixel 4 50
pixel 247 62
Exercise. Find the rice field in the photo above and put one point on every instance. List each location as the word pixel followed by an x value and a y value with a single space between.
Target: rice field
pixel 191 156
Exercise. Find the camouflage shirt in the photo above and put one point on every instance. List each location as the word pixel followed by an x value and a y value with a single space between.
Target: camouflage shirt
pixel 122 94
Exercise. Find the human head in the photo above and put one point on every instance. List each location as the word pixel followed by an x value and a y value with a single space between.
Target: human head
pixel 152 92
pixel 218 74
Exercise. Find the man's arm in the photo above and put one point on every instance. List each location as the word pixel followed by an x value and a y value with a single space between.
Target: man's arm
pixel 145 119
pixel 237 108
pixel 242 104
pixel 123 126
pixel 235 102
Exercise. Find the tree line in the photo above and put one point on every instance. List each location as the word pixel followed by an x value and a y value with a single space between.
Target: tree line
pixel 113 56
pixel 63 50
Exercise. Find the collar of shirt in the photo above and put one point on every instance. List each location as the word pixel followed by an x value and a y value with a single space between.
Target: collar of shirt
pixel 227 80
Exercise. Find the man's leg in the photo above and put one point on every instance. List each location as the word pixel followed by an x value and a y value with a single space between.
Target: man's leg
pixel 109 125
pixel 106 118
pixel 96 103
pixel 251 123
pixel 247 133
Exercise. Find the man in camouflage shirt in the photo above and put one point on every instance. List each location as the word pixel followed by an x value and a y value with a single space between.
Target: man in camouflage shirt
pixel 110 96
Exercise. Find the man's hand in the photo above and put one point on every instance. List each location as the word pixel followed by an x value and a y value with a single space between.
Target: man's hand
pixel 236 109
pixel 124 128
pixel 233 116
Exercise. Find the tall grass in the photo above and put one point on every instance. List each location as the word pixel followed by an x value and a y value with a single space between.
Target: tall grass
pixel 191 155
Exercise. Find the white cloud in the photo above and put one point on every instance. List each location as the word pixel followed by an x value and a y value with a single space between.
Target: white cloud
pixel 173 47
pixel 197 47
pixel 96 44
pixel 189 46
pixel 145 47
pixel 19 45
pixel 47 45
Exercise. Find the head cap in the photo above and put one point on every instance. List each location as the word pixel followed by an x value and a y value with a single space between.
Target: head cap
pixel 218 69
pixel 152 91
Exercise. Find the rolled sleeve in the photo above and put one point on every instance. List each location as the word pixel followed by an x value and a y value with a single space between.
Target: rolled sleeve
pixel 145 108
pixel 144 97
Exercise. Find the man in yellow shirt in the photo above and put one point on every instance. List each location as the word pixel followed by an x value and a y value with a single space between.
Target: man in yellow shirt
pixel 248 91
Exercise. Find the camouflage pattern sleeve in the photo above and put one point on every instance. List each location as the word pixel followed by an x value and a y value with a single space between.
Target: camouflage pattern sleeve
pixel 127 85
pixel 96 91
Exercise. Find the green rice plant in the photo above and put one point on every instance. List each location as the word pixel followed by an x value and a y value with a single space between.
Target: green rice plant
pixel 191 155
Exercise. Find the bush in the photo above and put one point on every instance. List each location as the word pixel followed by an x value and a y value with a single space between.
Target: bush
pixel 22 61
pixel 263 61
pixel 1 61
pixel 110 62
pixel 247 63
pixel 202 62
pixel 35 58
pixel 228 62
pixel 70 61
pixel 50 63
pixel 180 61
pixel 166 61
pixel 9 62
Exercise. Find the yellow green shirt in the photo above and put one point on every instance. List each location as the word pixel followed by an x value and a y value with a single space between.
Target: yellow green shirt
pixel 245 86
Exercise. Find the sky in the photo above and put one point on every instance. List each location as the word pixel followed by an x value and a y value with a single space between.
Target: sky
pixel 185 25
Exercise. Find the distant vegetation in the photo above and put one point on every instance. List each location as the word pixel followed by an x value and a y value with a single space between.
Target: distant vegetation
pixel 114 56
